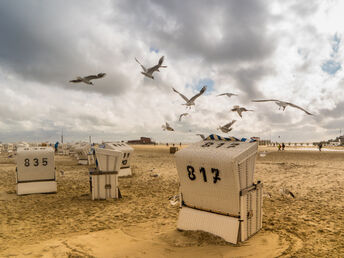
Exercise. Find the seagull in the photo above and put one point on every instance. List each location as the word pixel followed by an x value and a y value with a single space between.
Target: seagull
pixel 181 115
pixel 190 102
pixel 174 200
pixel 149 72
pixel 87 79
pixel 285 192
pixel 283 104
pixel 267 194
pixel 227 127
pixel 227 94
pixel 167 127
pixel 201 135
pixel 239 109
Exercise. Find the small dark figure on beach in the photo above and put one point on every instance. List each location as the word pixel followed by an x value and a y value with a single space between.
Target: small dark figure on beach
pixel 279 147
pixel 283 146
pixel 320 146
pixel 56 146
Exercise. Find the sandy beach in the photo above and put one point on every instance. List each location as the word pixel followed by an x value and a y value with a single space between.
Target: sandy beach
pixel 143 222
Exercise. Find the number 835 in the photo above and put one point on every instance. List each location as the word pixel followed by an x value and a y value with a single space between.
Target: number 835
pixel 35 162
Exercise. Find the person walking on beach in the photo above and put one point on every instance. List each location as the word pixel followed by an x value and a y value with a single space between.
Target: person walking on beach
pixel 283 146
pixel 56 146
pixel 279 147
pixel 320 146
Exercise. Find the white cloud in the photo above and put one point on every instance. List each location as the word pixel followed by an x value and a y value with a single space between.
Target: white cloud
pixel 246 47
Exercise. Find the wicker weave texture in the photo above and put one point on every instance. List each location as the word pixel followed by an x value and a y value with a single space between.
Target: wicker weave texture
pixel 251 211
pixel 123 147
pixel 108 160
pixel 213 173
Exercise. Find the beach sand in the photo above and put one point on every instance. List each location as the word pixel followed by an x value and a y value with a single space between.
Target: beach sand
pixel 143 222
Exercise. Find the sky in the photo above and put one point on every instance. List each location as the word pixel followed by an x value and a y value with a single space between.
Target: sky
pixel 286 50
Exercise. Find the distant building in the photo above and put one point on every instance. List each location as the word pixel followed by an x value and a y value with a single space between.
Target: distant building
pixel 341 139
pixel 264 142
pixel 143 140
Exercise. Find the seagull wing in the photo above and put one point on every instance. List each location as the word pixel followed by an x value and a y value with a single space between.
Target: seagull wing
pixel 101 75
pixel 295 106
pixel 292 195
pixel 228 94
pixel 229 124
pixel 201 135
pixel 156 67
pixel 90 77
pixel 152 69
pixel 185 98
pixel 181 115
pixel 143 68
pixel 264 100
pixel 161 60
pixel 76 80
pixel 199 94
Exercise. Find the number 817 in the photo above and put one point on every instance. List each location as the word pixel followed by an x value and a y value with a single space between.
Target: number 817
pixel 192 175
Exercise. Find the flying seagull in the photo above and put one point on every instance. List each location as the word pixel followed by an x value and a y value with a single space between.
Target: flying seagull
pixel 227 127
pixel 149 72
pixel 282 104
pixel 227 94
pixel 181 115
pixel 87 79
pixel 190 102
pixel 239 109
pixel 201 135
pixel 167 127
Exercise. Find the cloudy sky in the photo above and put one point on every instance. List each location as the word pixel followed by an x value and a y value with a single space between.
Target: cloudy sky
pixel 288 50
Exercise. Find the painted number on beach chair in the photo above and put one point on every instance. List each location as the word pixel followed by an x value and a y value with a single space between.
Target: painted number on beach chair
pixel 191 172
pixel 207 144
pixel 192 176
pixel 35 162
pixel 232 145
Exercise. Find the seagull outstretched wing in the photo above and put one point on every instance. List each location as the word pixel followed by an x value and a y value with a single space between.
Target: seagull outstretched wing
pixel 201 135
pixel 227 94
pixel 264 100
pixel 295 106
pixel 199 94
pixel 143 68
pixel 91 77
pixel 185 98
pixel 76 80
pixel 181 115
pixel 229 124
pixel 156 67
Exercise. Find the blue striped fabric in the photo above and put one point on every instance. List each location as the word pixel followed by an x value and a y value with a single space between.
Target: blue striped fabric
pixel 216 137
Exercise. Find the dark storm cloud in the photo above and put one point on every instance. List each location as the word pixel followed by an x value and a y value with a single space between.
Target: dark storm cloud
pixel 50 43
pixel 187 28
pixel 336 112
pixel 46 42
pixel 224 34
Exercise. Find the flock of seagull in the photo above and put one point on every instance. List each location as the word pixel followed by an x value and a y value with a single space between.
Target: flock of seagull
pixel 189 102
